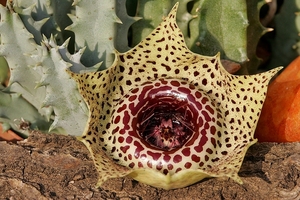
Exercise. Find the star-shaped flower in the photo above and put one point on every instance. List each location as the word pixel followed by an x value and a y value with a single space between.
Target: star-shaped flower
pixel 169 117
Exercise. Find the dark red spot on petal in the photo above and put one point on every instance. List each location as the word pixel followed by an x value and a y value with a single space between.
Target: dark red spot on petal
pixel 129 140
pixel 187 165
pixel 167 158
pixel 140 165
pixel 195 158
pixel 213 130
pixel 210 109
pixel 199 147
pixel 115 130
pixel 186 151
pixel 159 166
pixel 155 156
pixel 132 98
pixel 126 118
pixel 138 149
pixel 175 83
pixel 177 158
pixel 184 90
pixel 149 164
pixel 131 165
pixel 209 151
pixel 125 148
pixel 206 115
pixel 121 139
pixel 121 109
pixel 178 170
pixel 198 94
pixel 135 90
pixel 117 120
pixel 170 166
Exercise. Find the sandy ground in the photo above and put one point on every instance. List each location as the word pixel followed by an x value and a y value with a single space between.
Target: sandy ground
pixel 60 167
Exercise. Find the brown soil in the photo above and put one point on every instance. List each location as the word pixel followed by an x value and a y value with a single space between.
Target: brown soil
pixel 59 167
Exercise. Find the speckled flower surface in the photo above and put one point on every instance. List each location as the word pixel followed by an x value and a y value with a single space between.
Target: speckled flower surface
pixel 169 117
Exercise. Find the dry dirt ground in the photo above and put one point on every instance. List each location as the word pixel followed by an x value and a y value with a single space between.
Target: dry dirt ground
pixel 59 167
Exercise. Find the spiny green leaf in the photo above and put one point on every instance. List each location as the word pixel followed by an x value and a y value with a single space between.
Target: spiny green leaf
pixel 121 39
pixel 61 91
pixel 286 46
pixel 16 46
pixel 3 70
pixel 94 30
pixel 254 32
pixel 44 17
pixel 220 27
pixel 14 108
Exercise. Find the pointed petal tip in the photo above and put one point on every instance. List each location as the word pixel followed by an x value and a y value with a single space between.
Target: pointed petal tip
pixel 175 7
pixel 174 10
pixel 277 69
pixel 237 179
pixel 271 73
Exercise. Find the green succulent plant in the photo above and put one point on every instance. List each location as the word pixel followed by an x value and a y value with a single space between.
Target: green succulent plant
pixel 285 44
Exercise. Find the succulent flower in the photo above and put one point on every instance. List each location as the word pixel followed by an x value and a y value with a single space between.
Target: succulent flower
pixel 168 117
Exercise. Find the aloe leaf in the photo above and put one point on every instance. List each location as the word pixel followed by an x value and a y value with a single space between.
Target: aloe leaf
pixel 45 17
pixel 3 70
pixel 254 32
pixel 38 72
pixel 16 46
pixel 94 30
pixel 122 29
pixel 60 21
pixel 62 93
pixel 285 46
pixel 220 27
pixel 14 109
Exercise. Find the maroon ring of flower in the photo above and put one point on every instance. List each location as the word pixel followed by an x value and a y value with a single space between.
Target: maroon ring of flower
pixel 165 122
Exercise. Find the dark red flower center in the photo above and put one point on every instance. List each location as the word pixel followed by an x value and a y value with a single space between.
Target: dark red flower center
pixel 166 123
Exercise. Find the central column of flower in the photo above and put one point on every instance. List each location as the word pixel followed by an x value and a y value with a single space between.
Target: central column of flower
pixel 166 121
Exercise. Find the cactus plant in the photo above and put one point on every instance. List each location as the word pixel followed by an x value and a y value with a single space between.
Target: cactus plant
pixel 3 72
pixel 286 46
pixel 37 73
pixel 42 61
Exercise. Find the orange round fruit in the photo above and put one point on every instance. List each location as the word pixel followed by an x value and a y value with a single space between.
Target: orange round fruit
pixel 280 116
